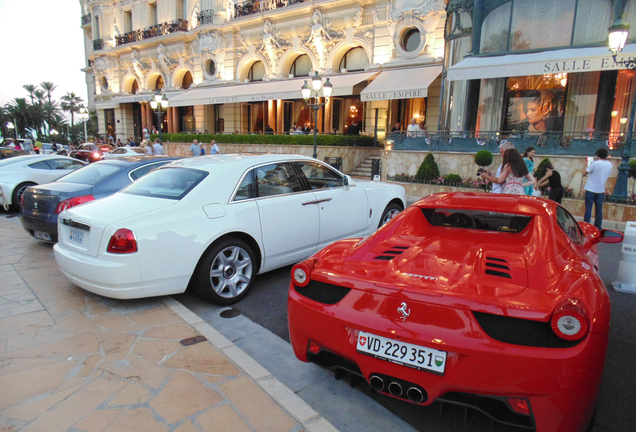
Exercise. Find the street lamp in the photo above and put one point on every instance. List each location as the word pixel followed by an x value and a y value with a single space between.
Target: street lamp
pixel 11 126
pixel 158 104
pixel 84 114
pixel 619 31
pixel 306 89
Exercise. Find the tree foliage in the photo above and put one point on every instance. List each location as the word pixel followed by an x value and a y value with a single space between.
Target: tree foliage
pixel 38 114
pixel 429 170
pixel 483 158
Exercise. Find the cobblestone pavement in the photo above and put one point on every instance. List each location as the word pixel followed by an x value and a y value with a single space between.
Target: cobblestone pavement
pixel 74 361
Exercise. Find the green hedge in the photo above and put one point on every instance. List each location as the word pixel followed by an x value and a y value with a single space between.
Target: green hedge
pixel 323 140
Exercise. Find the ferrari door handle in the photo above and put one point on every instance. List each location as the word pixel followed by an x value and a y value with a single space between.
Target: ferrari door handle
pixel 316 202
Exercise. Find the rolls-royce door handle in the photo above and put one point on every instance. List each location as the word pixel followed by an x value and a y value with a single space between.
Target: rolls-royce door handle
pixel 316 202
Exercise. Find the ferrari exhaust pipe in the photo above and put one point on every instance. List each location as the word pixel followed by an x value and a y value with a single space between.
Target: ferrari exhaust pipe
pixel 415 395
pixel 395 389
pixel 376 383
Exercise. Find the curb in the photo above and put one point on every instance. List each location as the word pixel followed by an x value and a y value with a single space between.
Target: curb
pixel 282 395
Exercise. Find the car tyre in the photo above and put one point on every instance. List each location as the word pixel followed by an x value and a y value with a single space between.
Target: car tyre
pixel 17 194
pixel 389 213
pixel 226 272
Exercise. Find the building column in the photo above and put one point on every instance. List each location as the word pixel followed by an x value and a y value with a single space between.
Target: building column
pixel 280 117
pixel 149 113
pixel 175 120
pixel 170 124
pixel 319 120
pixel 271 115
pixel 143 119
pixel 328 116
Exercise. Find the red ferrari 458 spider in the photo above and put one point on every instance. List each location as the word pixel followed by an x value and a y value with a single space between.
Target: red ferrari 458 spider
pixel 493 302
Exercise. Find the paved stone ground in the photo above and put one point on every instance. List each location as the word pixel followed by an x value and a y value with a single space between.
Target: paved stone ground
pixel 73 361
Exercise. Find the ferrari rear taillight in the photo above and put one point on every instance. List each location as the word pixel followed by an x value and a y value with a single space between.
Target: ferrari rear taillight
pixel 519 405
pixel 72 202
pixel 569 320
pixel 301 272
pixel 314 348
pixel 97 155
pixel 122 242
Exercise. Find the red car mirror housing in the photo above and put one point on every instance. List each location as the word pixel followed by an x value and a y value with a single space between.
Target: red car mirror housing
pixel 611 236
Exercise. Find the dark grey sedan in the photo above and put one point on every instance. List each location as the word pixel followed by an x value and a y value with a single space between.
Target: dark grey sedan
pixel 42 204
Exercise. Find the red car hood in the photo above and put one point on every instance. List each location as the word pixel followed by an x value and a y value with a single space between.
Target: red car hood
pixel 443 266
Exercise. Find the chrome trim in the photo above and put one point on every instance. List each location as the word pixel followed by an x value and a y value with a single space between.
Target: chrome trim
pixel 317 202
pixel 71 223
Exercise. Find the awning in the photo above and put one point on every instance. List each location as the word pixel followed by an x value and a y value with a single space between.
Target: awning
pixel 569 60
pixel 343 85
pixel 144 97
pixel 401 84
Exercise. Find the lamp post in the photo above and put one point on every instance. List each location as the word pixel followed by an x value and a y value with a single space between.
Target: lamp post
pixel 158 104
pixel 84 114
pixel 617 38
pixel 11 126
pixel 316 86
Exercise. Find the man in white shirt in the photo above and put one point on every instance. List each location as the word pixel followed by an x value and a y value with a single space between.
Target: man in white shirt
pixel 496 187
pixel 413 128
pixel 214 149
pixel 195 149
pixel 157 147
pixel 599 171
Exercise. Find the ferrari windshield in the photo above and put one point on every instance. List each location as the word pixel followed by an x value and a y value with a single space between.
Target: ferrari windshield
pixel 476 219
pixel 169 183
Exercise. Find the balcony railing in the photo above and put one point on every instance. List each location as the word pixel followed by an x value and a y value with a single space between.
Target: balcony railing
pixel 250 7
pixel 86 19
pixel 556 143
pixel 205 17
pixel 98 44
pixel 152 31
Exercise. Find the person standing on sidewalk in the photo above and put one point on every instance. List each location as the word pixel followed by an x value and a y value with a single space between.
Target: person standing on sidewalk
pixel 496 187
pixel 195 149
pixel 599 171
pixel 157 147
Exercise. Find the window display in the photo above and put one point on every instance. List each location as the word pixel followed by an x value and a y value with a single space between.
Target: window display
pixel 536 103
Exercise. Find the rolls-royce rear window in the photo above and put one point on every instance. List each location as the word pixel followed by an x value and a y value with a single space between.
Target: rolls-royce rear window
pixel 476 219
pixel 168 183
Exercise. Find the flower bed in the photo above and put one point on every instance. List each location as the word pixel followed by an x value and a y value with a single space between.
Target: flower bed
pixel 447 180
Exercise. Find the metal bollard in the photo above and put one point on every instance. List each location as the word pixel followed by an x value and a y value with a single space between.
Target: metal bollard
pixel 627 266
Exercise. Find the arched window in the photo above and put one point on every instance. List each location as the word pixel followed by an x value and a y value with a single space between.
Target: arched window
pixel 355 59
pixel 257 71
pixel 520 25
pixel 496 30
pixel 135 87
pixel 159 83
pixel 186 82
pixel 592 21
pixel 630 18
pixel 301 66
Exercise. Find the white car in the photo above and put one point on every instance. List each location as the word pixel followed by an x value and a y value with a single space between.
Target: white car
pixel 213 223
pixel 125 151
pixel 20 172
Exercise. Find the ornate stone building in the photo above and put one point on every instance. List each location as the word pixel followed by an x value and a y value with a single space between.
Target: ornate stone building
pixel 227 66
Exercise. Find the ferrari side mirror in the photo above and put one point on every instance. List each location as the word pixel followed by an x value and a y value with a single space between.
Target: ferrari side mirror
pixel 611 236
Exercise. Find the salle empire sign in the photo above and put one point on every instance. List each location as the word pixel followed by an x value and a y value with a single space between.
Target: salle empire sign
pixel 582 65
pixel 397 94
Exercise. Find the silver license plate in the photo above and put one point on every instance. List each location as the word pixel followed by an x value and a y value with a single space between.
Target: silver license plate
pixel 42 235
pixel 403 353
pixel 77 236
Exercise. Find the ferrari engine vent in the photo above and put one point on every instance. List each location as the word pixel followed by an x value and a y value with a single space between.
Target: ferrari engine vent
pixel 388 255
pixel 497 267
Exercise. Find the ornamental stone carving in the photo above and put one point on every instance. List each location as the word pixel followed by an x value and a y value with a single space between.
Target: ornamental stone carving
pixel 164 62
pixel 321 39
pixel 420 8
pixel 138 66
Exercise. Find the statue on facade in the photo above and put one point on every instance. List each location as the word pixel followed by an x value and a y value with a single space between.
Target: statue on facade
pixel 271 46
pixel 137 65
pixel 164 61
pixel 319 38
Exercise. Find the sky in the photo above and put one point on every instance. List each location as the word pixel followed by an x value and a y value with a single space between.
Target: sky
pixel 41 40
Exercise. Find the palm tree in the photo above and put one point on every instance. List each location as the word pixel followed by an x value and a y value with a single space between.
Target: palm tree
pixel 48 87
pixel 71 103
pixel 39 96
pixel 29 88
pixel 19 111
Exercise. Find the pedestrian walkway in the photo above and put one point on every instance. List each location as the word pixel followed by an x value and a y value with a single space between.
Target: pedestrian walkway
pixel 74 361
